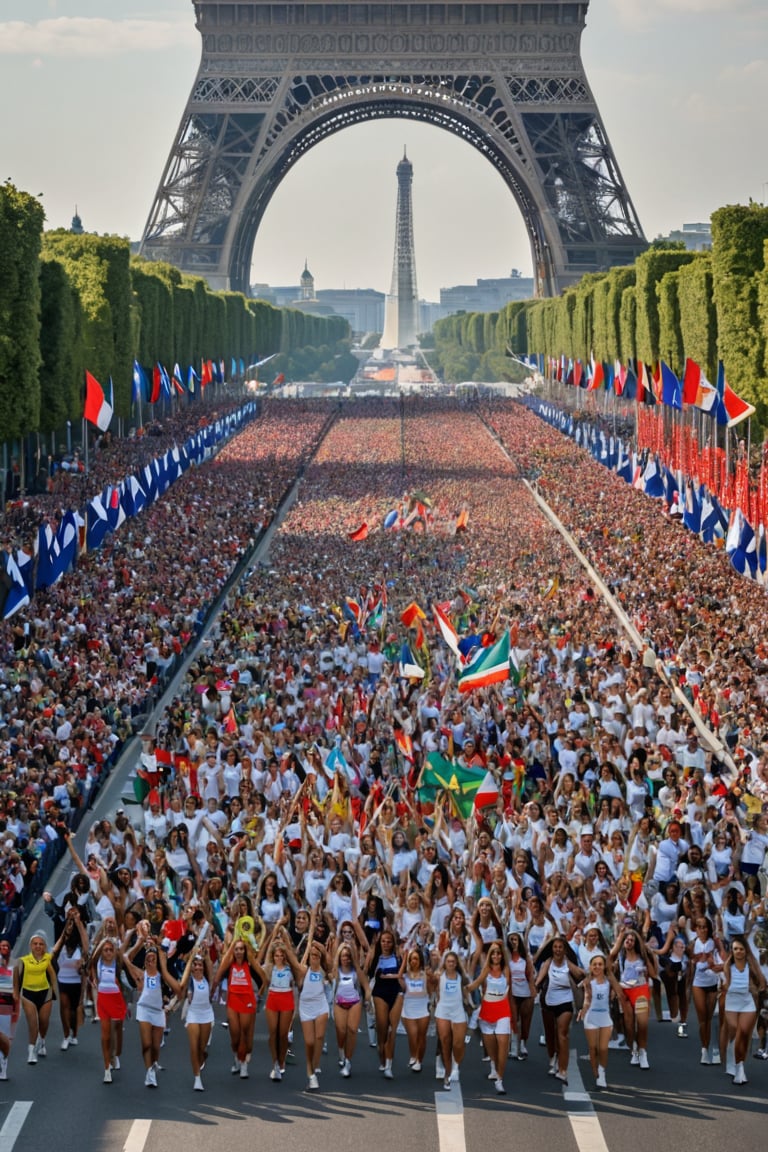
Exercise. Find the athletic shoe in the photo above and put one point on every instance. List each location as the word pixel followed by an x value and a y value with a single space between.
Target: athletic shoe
pixel 32 1054
pixel 116 1063
pixel 198 1085
pixel 493 1074
pixel 741 1076
pixel 552 1066
pixel 276 1074
pixel 416 1066
pixel 388 1073
pixel 65 1044
pixel 716 1057
pixel 600 1081
pixel 562 1076
pixel 500 1088
pixel 514 1047
pixel 522 1051
pixel 243 1070
pixel 619 1044
pixel 705 1056
pixel 41 1049
pixel 542 1041
pixel 314 1083
pixel 73 1041
pixel 342 1059
pixel 108 1076
pixel 635 1057
pixel 347 1069
pixel 158 1067
pixel 682 1031
pixel 235 1066
pixel 644 1059
pixel 447 1084
pixel 761 1054
pixel 150 1080
pixel 455 1074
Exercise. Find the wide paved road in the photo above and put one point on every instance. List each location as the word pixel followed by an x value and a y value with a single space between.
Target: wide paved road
pixel 676 1105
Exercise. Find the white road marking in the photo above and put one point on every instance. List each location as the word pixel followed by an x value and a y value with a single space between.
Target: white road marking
pixel 137 1137
pixel 585 1124
pixel 450 1120
pixel 14 1122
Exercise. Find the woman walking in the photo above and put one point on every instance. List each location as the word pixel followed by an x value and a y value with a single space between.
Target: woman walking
pixel 596 1014
pixel 240 968
pixel 742 974
pixel 451 1016
pixel 70 957
pixel 351 986
pixel 495 1010
pixel 34 982
pixel 150 1010
pixel 415 1014
pixel 106 967
pixel 196 987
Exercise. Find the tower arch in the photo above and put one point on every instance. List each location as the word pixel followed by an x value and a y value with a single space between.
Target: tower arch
pixel 277 79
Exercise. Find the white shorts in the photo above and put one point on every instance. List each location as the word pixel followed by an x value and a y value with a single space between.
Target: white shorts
pixel 501 1027
pixel 153 1016
pixel 739 1002
pixel 415 1007
pixel 312 1012
pixel 200 1015
pixel 454 1015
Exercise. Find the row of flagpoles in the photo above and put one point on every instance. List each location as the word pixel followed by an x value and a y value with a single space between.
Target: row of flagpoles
pixel 59 544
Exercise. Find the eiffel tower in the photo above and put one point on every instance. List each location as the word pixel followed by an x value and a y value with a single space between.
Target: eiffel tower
pixel 401 315
pixel 275 79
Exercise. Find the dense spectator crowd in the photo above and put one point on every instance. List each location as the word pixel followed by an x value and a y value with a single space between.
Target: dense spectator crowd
pixel 288 846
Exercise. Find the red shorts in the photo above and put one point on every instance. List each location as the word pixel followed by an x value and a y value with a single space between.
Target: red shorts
pixel 634 993
pixel 111 1005
pixel 280 1002
pixel 244 1003
pixel 493 1010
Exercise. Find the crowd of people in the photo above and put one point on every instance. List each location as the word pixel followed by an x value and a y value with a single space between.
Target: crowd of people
pixel 288 851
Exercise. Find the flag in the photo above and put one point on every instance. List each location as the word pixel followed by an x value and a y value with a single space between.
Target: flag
pixel 97 408
pixel 731 409
pixel 404 743
pixel 206 373
pixel 490 666
pixel 360 533
pixel 441 775
pixel 407 668
pixel 670 387
pixel 157 384
pixel 14 593
pixel 411 615
pixel 178 380
pixel 191 378
pixel 697 390
pixel 351 610
pixel 488 792
pixel 335 762
pixel 139 385
pixel 551 588
pixel 447 631
pixel 391 518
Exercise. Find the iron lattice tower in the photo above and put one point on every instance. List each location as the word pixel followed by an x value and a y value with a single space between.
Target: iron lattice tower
pixel 277 78
pixel 401 317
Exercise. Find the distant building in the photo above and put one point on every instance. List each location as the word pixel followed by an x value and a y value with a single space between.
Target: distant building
pixel 486 295
pixel 362 307
pixel 76 227
pixel 696 237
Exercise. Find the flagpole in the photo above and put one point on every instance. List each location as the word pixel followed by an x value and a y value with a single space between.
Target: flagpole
pixel 85 443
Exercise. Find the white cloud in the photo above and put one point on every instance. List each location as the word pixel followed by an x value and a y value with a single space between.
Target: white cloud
pixel 83 36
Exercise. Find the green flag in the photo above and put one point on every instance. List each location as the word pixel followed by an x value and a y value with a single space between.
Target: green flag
pixel 441 775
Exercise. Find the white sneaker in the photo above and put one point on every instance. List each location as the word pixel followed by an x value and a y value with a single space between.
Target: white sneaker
pixel 542 1041
pixel 3 1067
pixel 276 1074
pixel 522 1052
pixel 41 1049
pixel 416 1066
pixel 500 1088
pixel 313 1084
pixel 108 1076
pixel 342 1059
pixel 388 1073
pixel 347 1069
pixel 32 1054
pixel 741 1076
pixel 235 1066
pixel 682 1031
pixel 116 1063
pixel 65 1044
pixel 635 1057
pixel 552 1066
pixel 644 1059
pixel 514 1047
pixel 493 1074
pixel 600 1081
pixel 439 1068
pixel 705 1056
pixel 243 1071
pixel 455 1074
pixel 716 1056
pixel 150 1080
pixel 198 1085
pixel 73 1041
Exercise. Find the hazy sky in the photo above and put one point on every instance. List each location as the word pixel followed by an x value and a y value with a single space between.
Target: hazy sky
pixel 92 93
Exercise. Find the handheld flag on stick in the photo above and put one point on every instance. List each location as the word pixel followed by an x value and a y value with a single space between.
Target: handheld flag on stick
pixel 98 409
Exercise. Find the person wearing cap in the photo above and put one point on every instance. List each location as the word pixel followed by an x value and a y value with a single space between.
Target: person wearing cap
pixel 34 983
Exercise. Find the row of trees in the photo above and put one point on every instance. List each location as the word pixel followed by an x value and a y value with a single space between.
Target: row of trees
pixel 669 305
pixel 70 302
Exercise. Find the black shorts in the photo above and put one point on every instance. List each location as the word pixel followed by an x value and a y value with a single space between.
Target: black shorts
pixel 559 1009
pixel 73 992
pixel 387 990
pixel 38 998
